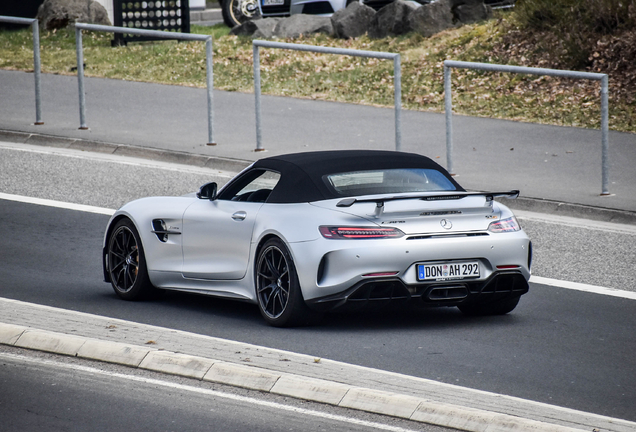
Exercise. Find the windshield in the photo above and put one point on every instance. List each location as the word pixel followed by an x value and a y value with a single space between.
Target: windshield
pixel 385 181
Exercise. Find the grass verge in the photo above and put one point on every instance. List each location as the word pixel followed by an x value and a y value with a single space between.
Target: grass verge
pixel 350 79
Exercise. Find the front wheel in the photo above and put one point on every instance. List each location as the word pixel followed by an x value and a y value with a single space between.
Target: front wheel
pixel 280 299
pixel 127 263
pixel 499 307
pixel 236 12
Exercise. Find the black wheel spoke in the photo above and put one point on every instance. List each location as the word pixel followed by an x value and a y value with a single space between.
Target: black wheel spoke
pixel 266 276
pixel 267 288
pixel 114 267
pixel 130 277
pixel 270 305
pixel 117 255
pixel 269 260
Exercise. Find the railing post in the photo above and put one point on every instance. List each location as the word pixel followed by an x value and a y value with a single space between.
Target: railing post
pixel 397 83
pixel 448 109
pixel 603 78
pixel 210 87
pixel 605 135
pixel 79 52
pixel 147 33
pixel 397 80
pixel 257 96
pixel 36 72
pixel 36 59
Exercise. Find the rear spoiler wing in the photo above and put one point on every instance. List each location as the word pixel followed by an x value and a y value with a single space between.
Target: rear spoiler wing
pixel 348 202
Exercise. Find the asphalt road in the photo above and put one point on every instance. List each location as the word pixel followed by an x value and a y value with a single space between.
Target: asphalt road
pixel 559 346
pixel 543 161
pixel 53 393
pixel 595 254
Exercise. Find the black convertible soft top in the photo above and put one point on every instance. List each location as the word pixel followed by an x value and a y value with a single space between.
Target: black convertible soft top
pixel 302 173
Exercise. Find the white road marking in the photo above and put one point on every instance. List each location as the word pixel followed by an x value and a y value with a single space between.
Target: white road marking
pixel 208 392
pixel 536 279
pixel 117 159
pixel 576 222
pixel 583 287
pixel 57 204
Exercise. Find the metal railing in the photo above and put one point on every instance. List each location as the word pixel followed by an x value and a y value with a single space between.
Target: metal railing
pixel 36 59
pixel 146 33
pixel 397 80
pixel 603 78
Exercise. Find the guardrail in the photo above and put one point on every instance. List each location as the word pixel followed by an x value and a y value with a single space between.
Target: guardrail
pixel 147 33
pixel 397 79
pixel 603 78
pixel 36 59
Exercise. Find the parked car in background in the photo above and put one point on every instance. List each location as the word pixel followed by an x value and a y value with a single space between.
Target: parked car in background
pixel 236 12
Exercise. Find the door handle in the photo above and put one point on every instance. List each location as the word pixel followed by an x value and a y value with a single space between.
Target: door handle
pixel 239 216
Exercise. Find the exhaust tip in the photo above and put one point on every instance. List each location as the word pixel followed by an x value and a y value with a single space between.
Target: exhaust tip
pixel 453 292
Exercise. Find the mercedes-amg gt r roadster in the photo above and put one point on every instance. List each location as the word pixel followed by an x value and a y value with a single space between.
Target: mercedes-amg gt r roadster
pixel 302 234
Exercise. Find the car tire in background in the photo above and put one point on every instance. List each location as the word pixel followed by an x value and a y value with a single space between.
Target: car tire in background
pixel 236 12
pixel 278 293
pixel 127 264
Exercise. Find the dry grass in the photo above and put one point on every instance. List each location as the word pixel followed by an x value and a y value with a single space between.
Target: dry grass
pixel 356 80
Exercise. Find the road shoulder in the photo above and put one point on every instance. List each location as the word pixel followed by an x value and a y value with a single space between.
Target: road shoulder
pixel 281 372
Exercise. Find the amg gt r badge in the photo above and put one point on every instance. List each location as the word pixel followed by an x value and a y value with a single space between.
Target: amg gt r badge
pixel 446 224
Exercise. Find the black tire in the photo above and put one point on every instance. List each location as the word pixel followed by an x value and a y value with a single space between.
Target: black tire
pixel 500 307
pixel 278 293
pixel 126 263
pixel 236 12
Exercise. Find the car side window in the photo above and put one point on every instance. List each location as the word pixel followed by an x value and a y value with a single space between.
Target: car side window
pixel 254 186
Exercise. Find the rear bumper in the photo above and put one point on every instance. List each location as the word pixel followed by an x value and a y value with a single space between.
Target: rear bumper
pixel 499 286
pixel 333 268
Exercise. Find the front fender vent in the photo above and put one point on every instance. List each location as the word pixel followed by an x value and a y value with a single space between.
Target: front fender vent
pixel 161 229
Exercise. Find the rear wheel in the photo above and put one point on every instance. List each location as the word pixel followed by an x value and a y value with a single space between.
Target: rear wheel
pixel 127 263
pixel 277 288
pixel 236 12
pixel 499 307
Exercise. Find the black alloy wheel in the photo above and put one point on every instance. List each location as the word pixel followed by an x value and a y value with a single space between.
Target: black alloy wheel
pixel 277 288
pixel 126 262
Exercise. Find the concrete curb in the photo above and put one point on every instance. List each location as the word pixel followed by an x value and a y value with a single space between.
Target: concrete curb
pixel 206 17
pixel 170 156
pixel 255 378
pixel 538 205
pixel 541 205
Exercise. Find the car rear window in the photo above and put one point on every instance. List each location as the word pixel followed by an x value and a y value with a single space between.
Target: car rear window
pixel 384 181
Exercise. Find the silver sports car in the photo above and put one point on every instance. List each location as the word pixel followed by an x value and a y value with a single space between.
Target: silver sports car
pixel 305 233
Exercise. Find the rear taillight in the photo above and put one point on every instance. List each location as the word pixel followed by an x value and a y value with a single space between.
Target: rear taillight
pixel 330 232
pixel 505 225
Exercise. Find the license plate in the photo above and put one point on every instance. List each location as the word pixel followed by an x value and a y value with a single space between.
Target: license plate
pixel 447 271
pixel 273 2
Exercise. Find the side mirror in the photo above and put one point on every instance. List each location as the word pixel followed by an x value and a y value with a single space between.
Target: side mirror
pixel 207 191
